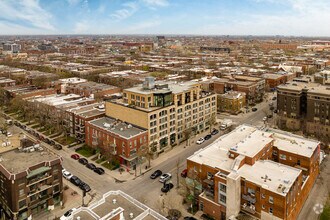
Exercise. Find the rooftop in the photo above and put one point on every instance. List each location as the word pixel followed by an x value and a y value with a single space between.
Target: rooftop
pixel 117 127
pixel 173 87
pixel 233 95
pixel 270 175
pixel 292 143
pixel 26 160
pixel 114 203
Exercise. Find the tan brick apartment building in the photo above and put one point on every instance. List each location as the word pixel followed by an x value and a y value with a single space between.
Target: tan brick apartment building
pixel 305 106
pixel 117 138
pixel 266 174
pixel 31 186
pixel 231 102
pixel 165 109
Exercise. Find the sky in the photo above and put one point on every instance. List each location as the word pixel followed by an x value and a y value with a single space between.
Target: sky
pixel 196 17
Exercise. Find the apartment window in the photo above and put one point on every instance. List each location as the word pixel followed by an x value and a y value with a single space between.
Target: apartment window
pixel 271 200
pixel 222 199
pixel 282 156
pixel 251 191
pixel 201 206
pixel 263 196
pixel 298 162
pixel 270 210
pixel 222 187
pixel 263 206
pixel 132 96
pixel 21 192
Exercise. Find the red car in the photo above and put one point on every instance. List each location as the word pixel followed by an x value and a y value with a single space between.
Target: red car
pixel 184 173
pixel 75 156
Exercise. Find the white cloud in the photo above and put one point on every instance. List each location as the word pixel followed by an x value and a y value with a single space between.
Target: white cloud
pixel 127 11
pixel 81 27
pixel 28 12
pixel 156 3
pixel 141 28
pixel 73 2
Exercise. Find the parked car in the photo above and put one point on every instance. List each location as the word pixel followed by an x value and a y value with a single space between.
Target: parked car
pixel 75 156
pixel 214 131
pixel 66 174
pixel 184 173
pixel 275 111
pixel 166 176
pixel 9 134
pixel 254 109
pixel 200 141
pixel 269 116
pixel 207 137
pixel 189 218
pixel 99 170
pixel 167 187
pixel 156 174
pixel 90 166
pixel 68 214
pixel 274 98
pixel 83 161
pixel 58 147
pixel 85 187
pixel 75 180
pixel 264 119
pixel 271 108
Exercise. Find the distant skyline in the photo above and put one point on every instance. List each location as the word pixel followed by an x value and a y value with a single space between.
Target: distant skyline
pixel 195 17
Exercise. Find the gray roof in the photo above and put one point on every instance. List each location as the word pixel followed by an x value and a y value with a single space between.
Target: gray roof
pixel 122 129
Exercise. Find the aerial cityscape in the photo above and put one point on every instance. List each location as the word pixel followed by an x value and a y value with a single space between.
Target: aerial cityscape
pixel 164 109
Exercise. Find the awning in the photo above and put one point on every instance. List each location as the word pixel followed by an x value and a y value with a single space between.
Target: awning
pixel 37 171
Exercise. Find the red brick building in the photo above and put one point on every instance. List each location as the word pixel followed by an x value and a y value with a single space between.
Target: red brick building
pixel 264 174
pixel 118 138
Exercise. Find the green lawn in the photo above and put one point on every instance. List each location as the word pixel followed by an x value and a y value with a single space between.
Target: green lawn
pixel 326 211
pixel 65 140
pixel 35 126
pixel 108 166
pixel 86 151
pixel 100 160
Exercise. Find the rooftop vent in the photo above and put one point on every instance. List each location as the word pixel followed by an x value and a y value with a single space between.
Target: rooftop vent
pixel 114 201
pixel 106 125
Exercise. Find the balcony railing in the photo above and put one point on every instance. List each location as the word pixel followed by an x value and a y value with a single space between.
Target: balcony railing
pixel 250 209
pixel 38 179
pixel 249 198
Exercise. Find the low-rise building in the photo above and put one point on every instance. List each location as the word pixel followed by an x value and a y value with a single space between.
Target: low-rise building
pixel 91 89
pixel 266 174
pixel 231 102
pixel 273 80
pixel 117 138
pixel 77 117
pixel 33 184
pixel 5 82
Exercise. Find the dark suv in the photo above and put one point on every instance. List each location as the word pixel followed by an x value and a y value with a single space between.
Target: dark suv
pixel 75 180
pixel 83 161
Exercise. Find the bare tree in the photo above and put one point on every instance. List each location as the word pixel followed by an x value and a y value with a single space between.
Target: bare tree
pixel 178 172
pixel 187 134
pixel 212 121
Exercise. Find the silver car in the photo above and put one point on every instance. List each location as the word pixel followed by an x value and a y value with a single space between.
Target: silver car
pixel 166 176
